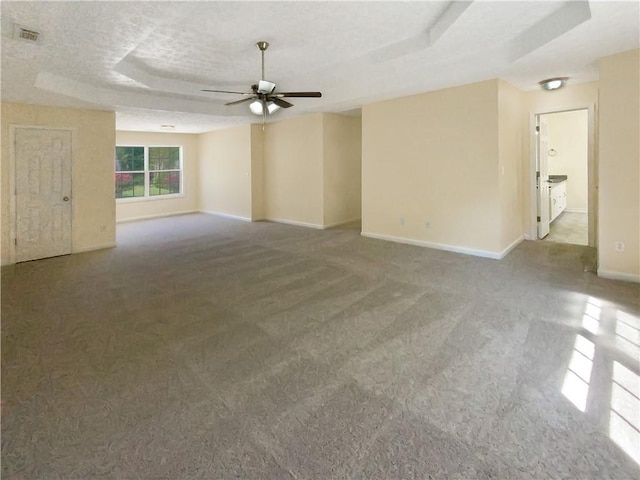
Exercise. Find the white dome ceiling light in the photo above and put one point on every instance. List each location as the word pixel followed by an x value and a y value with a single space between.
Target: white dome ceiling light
pixel 553 83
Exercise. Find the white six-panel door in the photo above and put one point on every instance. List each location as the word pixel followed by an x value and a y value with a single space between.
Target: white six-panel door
pixel 43 193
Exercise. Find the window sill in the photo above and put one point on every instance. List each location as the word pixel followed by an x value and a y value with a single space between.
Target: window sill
pixel 149 199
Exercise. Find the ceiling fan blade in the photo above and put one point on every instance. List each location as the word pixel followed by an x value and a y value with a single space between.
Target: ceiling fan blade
pixel 300 94
pixel 225 91
pixel 240 101
pixel 280 102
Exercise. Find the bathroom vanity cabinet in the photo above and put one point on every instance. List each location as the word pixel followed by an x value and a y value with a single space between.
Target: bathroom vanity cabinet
pixel 557 198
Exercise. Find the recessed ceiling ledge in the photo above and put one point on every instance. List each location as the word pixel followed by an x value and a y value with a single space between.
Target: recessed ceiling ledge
pixel 566 18
pixel 139 74
pixel 447 19
pixel 105 97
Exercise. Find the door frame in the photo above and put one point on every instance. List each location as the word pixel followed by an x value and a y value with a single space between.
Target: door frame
pixel 542 182
pixel 12 170
pixel 592 171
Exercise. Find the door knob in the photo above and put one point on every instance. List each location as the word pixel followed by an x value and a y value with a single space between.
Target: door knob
pixel 66 199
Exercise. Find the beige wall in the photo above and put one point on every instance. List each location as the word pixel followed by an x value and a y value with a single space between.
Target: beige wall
pixel 570 97
pixel 286 172
pixel 224 181
pixel 93 217
pixel 568 136
pixel 430 169
pixel 342 164
pixel 509 144
pixel 257 173
pixel 619 165
pixel 149 208
pixel 293 186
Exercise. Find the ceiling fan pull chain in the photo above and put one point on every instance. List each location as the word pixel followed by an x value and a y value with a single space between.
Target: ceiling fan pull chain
pixel 264 109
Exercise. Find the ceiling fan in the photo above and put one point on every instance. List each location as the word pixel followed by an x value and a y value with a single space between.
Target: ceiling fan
pixel 264 99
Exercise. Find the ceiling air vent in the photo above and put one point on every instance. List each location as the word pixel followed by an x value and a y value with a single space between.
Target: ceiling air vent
pixel 25 34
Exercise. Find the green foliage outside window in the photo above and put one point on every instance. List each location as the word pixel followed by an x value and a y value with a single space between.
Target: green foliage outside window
pixel 161 176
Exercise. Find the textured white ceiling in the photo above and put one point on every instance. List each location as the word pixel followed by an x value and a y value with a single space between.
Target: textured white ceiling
pixel 149 60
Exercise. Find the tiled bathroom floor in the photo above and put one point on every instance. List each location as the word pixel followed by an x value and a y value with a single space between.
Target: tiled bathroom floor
pixel 570 227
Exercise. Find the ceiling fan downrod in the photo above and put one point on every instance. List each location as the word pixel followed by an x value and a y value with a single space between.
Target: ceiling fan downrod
pixel 262 46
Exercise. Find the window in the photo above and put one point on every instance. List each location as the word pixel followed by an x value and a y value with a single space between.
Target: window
pixel 130 172
pixel 147 172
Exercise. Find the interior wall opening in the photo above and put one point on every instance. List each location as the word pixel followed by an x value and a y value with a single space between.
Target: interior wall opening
pixel 564 180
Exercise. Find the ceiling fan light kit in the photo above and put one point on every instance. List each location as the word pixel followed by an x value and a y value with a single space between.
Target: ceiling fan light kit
pixel 257 107
pixel 264 99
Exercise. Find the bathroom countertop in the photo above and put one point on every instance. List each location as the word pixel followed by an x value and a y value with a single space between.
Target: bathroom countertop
pixel 557 178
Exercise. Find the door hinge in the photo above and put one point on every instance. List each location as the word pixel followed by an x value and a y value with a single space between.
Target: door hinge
pixel 537 174
pixel 15 241
pixel 538 218
pixel 537 128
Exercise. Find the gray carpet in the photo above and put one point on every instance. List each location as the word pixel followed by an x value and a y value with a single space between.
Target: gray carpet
pixel 204 347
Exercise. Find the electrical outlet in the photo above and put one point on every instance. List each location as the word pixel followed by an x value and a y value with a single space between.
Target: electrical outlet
pixel 401 220
pixel 427 224
pixel 619 246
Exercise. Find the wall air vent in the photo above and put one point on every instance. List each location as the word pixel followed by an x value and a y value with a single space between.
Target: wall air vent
pixel 25 34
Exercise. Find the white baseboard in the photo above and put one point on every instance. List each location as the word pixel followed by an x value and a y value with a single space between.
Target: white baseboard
pixel 226 215
pixel 91 248
pixel 627 277
pixel 526 236
pixel 448 248
pixel 576 210
pixel 511 246
pixel 296 223
pixel 312 225
pixel 342 222
pixel 157 215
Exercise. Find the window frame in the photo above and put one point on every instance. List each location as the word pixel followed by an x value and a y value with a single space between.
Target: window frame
pixel 147 175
